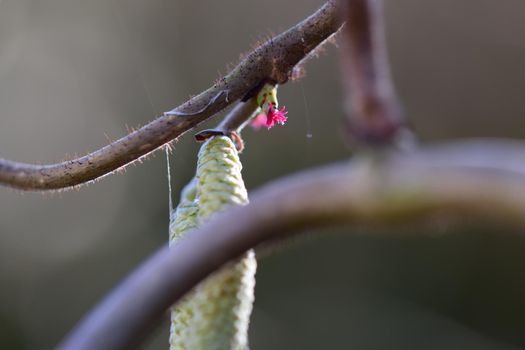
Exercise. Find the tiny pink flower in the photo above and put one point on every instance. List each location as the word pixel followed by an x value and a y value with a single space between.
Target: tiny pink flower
pixel 259 121
pixel 275 116
pixel 271 118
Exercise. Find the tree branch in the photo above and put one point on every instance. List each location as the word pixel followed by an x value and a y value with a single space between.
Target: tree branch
pixel 272 61
pixel 485 180
pixel 373 110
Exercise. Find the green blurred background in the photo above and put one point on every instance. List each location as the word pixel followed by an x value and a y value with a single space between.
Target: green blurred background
pixel 74 73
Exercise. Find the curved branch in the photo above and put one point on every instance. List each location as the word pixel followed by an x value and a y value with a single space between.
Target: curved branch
pixel 374 116
pixel 485 180
pixel 273 60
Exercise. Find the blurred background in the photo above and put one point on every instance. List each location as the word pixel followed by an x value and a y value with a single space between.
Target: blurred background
pixel 75 73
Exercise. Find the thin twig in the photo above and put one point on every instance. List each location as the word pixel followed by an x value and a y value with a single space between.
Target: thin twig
pixel 373 110
pixel 239 116
pixel 272 61
pixel 232 124
pixel 485 180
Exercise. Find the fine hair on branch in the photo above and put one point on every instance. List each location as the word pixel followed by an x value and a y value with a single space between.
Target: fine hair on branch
pixel 272 61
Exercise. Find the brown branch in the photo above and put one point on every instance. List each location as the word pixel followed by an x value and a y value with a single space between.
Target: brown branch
pixel 485 180
pixel 373 110
pixel 272 61
pixel 232 124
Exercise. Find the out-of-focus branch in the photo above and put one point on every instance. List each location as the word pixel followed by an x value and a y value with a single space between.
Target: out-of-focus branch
pixel 373 110
pixel 483 180
pixel 272 61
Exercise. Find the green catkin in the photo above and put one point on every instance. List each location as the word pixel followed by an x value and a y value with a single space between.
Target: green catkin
pixel 215 315
pixel 182 219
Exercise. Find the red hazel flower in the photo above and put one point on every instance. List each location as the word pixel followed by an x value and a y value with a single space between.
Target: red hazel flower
pixel 259 121
pixel 275 116
pixel 271 118
pixel 270 114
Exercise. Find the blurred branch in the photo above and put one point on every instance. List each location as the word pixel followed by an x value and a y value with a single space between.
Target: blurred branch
pixel 485 180
pixel 373 109
pixel 272 61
